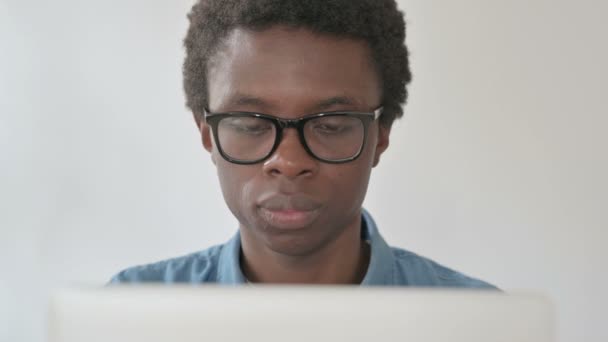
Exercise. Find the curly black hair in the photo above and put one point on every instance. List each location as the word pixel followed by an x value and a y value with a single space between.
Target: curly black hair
pixel 378 22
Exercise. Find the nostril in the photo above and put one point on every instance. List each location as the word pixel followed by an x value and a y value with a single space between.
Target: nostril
pixel 280 167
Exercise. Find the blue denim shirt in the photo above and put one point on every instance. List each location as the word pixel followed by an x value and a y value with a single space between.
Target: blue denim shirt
pixel 220 264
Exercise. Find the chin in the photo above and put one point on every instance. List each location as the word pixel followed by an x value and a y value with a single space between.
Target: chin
pixel 296 244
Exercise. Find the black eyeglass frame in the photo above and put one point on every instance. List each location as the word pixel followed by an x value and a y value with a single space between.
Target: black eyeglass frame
pixel 213 120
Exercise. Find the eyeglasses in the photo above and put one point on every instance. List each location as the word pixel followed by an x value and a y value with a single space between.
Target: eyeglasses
pixel 250 138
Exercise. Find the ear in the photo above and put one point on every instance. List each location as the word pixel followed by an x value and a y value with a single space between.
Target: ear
pixel 381 143
pixel 207 138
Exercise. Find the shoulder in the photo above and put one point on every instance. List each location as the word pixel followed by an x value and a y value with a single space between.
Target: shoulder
pixel 198 267
pixel 415 270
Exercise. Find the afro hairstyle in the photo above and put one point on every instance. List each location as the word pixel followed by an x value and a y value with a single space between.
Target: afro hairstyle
pixel 378 22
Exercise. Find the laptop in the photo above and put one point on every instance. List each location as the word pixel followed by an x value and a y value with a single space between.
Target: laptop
pixel 293 313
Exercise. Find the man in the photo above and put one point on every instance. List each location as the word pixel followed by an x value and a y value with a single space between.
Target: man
pixel 295 101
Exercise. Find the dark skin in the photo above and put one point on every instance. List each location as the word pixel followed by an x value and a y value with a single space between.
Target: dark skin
pixel 290 73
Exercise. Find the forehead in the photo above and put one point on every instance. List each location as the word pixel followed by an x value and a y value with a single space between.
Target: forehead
pixel 286 69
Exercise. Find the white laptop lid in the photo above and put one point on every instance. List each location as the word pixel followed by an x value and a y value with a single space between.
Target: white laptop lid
pixel 271 313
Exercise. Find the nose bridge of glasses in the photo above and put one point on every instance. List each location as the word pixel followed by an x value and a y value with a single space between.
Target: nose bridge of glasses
pixel 291 141
pixel 297 125
pixel 287 133
pixel 284 124
pixel 289 123
pixel 290 157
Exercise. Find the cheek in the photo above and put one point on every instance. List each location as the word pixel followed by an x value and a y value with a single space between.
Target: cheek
pixel 238 186
pixel 349 184
pixel 350 180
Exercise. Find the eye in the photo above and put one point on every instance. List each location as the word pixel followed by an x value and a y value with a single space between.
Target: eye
pixel 333 126
pixel 327 128
pixel 248 126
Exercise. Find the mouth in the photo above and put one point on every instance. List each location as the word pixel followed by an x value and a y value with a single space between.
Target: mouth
pixel 289 219
pixel 288 212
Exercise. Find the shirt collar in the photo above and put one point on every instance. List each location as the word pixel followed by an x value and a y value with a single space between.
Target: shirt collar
pixel 229 268
pixel 379 271
pixel 381 263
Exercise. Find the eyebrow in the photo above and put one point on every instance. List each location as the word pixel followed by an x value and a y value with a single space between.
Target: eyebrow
pixel 336 100
pixel 244 100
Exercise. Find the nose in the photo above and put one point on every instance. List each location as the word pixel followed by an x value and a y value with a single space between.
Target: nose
pixel 290 159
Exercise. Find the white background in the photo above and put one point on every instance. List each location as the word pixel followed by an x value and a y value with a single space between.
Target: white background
pixel 498 168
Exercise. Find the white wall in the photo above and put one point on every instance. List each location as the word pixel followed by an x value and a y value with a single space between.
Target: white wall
pixel 498 169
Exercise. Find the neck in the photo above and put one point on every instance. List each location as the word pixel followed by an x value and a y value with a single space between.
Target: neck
pixel 343 260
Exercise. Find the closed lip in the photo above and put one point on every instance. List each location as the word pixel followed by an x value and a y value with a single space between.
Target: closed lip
pixel 289 212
